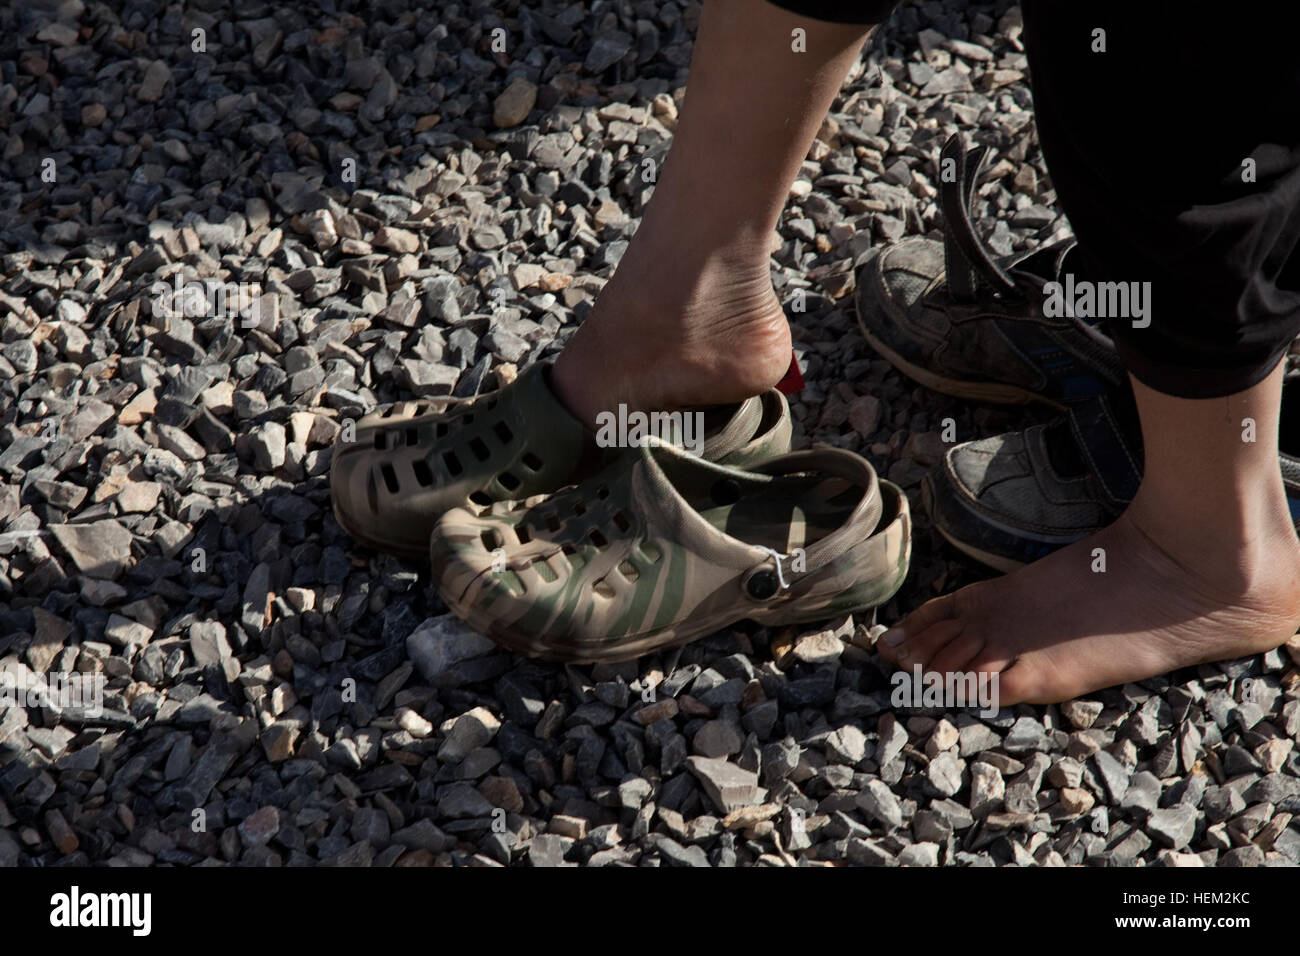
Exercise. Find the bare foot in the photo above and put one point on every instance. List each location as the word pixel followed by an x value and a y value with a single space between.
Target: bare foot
pixel 663 341
pixel 1058 629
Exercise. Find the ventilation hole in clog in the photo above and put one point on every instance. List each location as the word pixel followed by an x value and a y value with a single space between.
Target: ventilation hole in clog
pixel 629 571
pixel 523 534
pixel 503 432
pixel 508 481
pixel 511 582
pixel 468 419
pixel 482 499
pixel 650 552
pixel 597 538
pixel 602 587
pixel 726 491
pixel 421 408
pixel 491 538
pixel 390 477
pixel 552 521
pixel 532 462
pixel 454 467
pixel 380 441
pixel 388 412
pixel 423 473
pixel 412 437
pixel 579 508
pixel 576 560
pixel 480 449
pixel 621 522
pixel 545 571
pixel 440 430
pixel 602 492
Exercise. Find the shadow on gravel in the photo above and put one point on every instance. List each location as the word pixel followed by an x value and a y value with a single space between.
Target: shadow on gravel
pixel 344 204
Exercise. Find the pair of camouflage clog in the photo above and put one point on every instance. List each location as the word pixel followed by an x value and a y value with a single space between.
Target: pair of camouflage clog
pixel 555 546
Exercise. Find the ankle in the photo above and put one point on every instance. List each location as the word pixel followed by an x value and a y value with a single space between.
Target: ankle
pixel 684 293
pixel 714 350
pixel 1239 545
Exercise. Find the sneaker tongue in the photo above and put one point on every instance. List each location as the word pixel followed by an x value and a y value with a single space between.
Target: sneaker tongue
pixel 1043 264
pixel 1051 264
pixel 1071 262
pixel 1108 435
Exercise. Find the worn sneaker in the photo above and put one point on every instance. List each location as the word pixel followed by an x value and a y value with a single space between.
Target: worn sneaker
pixel 1012 499
pixel 952 318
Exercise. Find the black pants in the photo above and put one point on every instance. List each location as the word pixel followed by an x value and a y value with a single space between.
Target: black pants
pixel 1148 146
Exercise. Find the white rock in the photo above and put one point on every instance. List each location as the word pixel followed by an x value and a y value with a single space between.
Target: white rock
pixel 469 731
pixel 413 723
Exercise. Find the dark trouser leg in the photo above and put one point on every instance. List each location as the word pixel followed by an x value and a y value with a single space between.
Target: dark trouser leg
pixel 1145 143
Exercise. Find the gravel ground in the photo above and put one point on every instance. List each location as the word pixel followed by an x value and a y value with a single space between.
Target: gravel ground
pixel 401 210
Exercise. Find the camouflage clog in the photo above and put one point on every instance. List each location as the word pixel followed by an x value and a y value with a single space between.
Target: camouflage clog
pixel 661 548
pixel 413 461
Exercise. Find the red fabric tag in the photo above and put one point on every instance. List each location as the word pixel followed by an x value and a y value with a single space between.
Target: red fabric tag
pixel 793 380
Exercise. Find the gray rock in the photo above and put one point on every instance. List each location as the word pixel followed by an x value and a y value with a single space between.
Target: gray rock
pixel 677 855
pixel 100 549
pixel 1173 827
pixel 878 802
pixel 847 745
pixel 259 828
pixel 471 730
pixel 727 785
pixel 1143 793
pixel 606 50
pixel 1114 775
pixel 268 444
pixel 548 849
pixel 460 801
pixel 440 643
pixel 919 854
pixel 1026 734
pixel 718 738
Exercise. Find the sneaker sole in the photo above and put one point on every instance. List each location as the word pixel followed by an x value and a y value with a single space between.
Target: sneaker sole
pixel 987 558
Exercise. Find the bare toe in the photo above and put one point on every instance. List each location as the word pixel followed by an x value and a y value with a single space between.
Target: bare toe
pixel 894 642
pixel 1051 633
pixel 1020 684
pixel 922 648
pixel 958 653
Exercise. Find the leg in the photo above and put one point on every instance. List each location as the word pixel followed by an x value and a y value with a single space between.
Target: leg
pixel 695 280
pixel 1203 566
